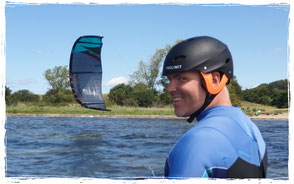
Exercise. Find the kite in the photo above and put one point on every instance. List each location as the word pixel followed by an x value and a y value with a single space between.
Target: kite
pixel 85 72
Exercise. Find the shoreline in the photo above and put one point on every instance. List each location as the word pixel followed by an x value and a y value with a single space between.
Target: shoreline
pixel 93 116
pixel 278 117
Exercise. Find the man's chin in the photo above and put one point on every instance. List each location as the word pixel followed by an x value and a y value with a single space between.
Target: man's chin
pixel 181 114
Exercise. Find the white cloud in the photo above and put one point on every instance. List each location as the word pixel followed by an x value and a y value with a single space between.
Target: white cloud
pixel 39 52
pixel 21 83
pixel 251 87
pixel 256 85
pixel 116 81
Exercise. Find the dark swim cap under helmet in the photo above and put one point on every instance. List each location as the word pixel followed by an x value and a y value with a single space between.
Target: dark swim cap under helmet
pixel 206 55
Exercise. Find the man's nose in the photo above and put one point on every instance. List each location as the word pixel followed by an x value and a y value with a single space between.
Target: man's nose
pixel 171 87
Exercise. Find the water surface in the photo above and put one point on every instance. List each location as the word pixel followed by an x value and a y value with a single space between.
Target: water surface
pixel 111 147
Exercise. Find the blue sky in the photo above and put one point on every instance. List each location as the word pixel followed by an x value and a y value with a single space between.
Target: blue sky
pixel 39 37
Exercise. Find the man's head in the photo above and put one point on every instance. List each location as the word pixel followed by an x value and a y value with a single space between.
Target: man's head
pixel 202 66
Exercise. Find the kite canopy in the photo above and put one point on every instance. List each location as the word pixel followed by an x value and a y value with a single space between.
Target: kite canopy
pixel 85 72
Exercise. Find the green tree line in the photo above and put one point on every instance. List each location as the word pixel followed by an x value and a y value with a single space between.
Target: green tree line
pixel 139 95
pixel 59 92
pixel 272 94
pixel 146 88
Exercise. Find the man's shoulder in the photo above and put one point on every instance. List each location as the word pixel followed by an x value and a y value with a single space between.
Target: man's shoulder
pixel 224 116
pixel 205 145
pixel 206 137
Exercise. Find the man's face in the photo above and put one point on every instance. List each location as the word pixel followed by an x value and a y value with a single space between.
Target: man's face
pixel 186 91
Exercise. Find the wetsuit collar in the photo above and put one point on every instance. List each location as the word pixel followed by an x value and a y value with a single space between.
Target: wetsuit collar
pixel 226 109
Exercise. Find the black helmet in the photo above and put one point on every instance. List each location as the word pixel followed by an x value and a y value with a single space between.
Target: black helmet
pixel 205 54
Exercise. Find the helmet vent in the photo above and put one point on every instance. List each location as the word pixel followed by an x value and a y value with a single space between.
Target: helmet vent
pixel 228 60
pixel 179 58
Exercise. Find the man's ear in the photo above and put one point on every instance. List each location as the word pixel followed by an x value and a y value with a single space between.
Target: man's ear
pixel 216 78
pixel 213 81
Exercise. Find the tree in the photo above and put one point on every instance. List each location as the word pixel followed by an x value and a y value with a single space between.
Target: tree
pixel 8 96
pixel 280 98
pixel 25 96
pixel 137 95
pixel 274 94
pixel 56 97
pixel 165 98
pixel 154 66
pixel 280 84
pixel 148 72
pixel 279 91
pixel 143 95
pixel 58 78
pixel 235 91
pixel 120 93
pixel 140 75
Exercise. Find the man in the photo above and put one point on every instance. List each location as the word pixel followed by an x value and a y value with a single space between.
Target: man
pixel 224 143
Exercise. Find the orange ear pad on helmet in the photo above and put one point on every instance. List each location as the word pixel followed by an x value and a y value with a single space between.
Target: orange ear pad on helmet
pixel 209 83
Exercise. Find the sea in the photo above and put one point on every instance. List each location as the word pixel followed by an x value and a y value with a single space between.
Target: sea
pixel 128 148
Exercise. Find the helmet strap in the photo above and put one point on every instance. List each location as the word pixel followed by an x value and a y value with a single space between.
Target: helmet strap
pixel 208 100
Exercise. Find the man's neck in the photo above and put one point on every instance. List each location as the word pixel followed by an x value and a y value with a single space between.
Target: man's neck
pixel 223 98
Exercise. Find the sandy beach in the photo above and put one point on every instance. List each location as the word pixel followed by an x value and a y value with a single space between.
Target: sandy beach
pixel 279 117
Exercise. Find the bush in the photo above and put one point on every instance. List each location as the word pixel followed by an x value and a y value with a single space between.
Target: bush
pixel 273 94
pixel 130 102
pixel 138 95
pixel 280 98
pixel 143 95
pixel 235 92
pixel 119 93
pixel 24 96
pixel 107 101
pixel 8 96
pixel 58 97
pixel 165 99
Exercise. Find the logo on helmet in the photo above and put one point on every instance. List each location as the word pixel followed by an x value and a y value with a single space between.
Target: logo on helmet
pixel 174 67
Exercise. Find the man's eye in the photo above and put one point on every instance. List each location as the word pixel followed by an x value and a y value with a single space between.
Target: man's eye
pixel 182 79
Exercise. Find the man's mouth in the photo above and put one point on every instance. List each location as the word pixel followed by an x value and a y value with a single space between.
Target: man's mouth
pixel 177 99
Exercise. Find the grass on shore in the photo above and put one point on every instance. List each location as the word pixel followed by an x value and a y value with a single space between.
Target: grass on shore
pixel 30 108
pixel 78 109
pixel 250 109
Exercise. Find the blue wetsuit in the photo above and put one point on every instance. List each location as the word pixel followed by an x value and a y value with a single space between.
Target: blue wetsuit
pixel 224 143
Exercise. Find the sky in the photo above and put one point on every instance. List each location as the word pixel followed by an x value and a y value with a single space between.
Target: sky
pixel 40 37
pixel 36 37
